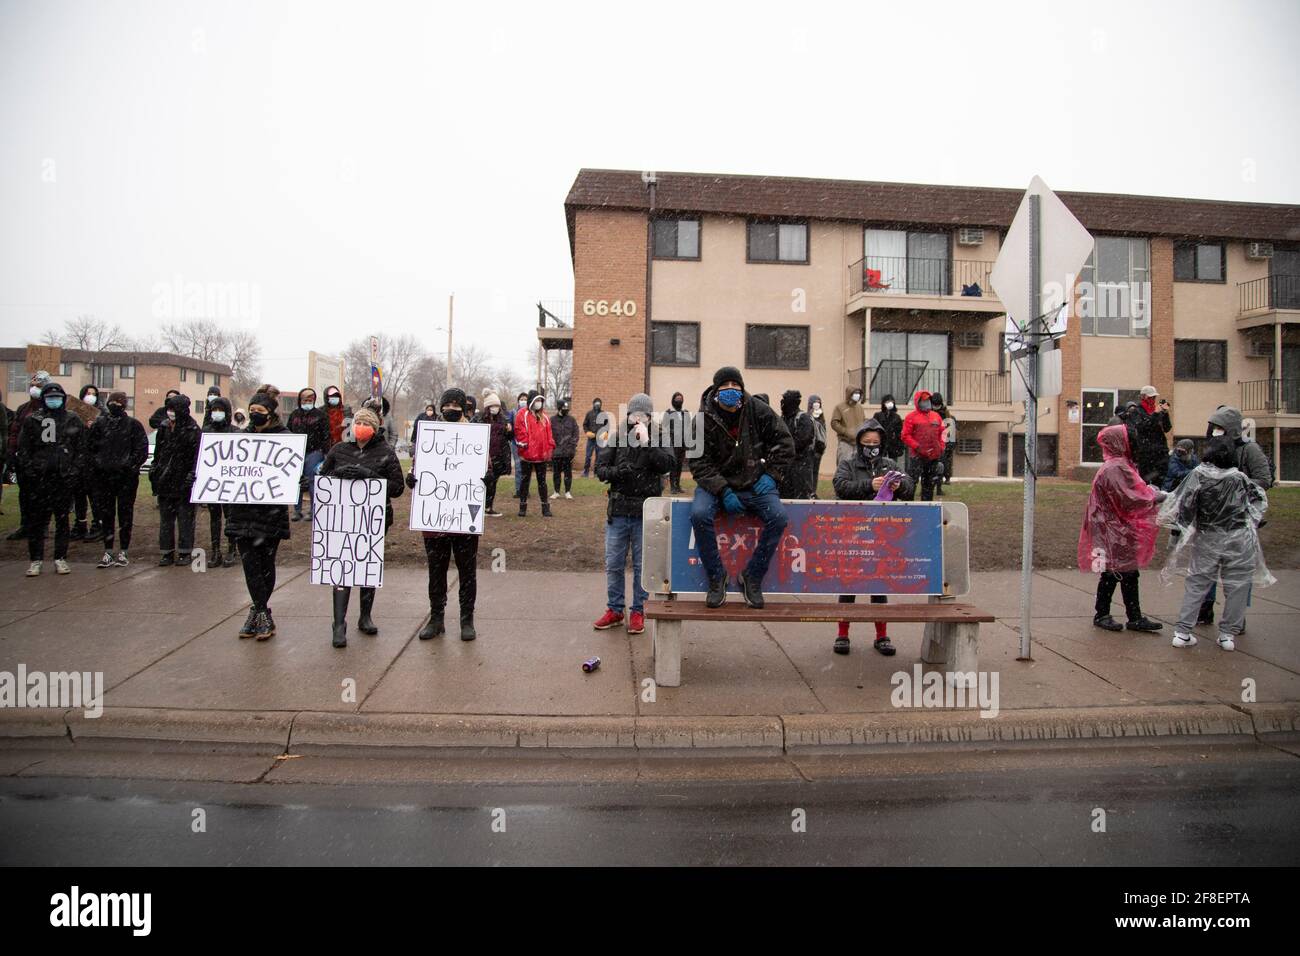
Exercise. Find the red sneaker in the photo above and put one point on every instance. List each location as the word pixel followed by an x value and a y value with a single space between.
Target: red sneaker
pixel 636 623
pixel 608 619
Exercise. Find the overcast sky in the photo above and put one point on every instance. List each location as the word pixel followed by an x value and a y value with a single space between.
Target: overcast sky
pixel 351 164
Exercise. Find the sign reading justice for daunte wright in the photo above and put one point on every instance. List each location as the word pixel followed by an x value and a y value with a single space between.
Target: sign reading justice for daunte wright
pixel 449 461
pixel 248 468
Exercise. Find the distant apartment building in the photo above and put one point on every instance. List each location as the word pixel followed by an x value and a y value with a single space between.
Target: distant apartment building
pixel 145 377
pixel 822 285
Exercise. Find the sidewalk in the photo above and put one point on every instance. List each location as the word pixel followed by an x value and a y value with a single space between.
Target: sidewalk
pixel 176 675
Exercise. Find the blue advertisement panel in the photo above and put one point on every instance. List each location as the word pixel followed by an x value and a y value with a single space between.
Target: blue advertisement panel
pixel 840 548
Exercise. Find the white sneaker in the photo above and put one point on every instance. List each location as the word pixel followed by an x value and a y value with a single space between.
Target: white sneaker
pixel 568 495
pixel 1182 639
pixel 1226 642
pixel 61 566
pixel 33 569
pixel 554 495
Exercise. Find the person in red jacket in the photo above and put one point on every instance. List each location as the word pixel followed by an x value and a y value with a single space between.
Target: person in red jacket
pixel 923 436
pixel 533 436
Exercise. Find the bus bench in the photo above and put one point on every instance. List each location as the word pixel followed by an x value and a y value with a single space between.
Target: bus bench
pixel 900 549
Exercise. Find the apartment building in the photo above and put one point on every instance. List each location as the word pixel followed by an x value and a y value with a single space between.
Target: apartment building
pixel 821 285
pixel 146 377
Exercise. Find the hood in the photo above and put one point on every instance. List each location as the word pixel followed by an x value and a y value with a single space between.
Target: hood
pixel 218 405
pixel 850 389
pixel 333 390
pixel 180 404
pixel 813 398
pixel 870 425
pixel 1229 419
pixel 304 391
pixel 888 398
pixel 54 388
pixel 86 388
pixel 1113 440
pixel 919 397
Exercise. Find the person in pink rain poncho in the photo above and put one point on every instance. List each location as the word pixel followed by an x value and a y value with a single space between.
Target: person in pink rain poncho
pixel 1118 536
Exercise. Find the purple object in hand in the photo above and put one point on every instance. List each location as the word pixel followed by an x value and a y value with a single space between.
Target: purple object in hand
pixel 886 492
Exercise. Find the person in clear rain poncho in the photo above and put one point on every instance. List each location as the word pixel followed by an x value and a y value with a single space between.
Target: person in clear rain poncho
pixel 1217 511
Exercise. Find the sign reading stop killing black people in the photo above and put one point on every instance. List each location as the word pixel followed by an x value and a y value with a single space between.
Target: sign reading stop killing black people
pixel 448 461
pixel 347 532
pixel 248 468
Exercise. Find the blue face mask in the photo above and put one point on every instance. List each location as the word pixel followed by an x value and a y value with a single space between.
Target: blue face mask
pixel 53 401
pixel 924 406
pixel 307 406
pixel 730 397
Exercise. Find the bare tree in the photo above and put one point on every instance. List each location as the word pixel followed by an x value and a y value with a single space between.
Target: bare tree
pixel 199 338
pixel 89 334
pixel 429 380
pixel 399 359
pixel 243 353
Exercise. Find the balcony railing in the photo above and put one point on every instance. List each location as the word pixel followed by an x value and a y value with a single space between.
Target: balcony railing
pixel 958 386
pixel 1281 396
pixel 1269 292
pixel 906 275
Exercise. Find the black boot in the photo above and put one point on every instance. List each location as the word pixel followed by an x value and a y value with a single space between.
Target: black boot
pixel 215 560
pixel 250 623
pixel 523 508
pixel 435 627
pixel 467 632
pixel 167 560
pixel 364 624
pixel 750 588
pixel 717 595
pixel 341 596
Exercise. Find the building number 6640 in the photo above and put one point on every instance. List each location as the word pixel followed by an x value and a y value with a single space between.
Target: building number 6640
pixel 606 307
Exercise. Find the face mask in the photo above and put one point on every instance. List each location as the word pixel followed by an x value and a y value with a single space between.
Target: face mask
pixel 451 414
pixel 869 451
pixel 363 432
pixel 218 417
pixel 333 400
pixel 537 404
pixel 306 407
pixel 730 397
pixel 1216 432
pixel 596 405
pixel 494 410
pixel 53 401
pixel 889 406
pixel 855 397
pixel 91 398
pixel 34 391
pixel 677 403
pixel 258 418
pixel 116 409
pixel 924 406
pixel 171 415
pixel 523 403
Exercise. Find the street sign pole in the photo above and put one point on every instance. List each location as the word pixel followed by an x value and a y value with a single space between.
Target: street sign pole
pixel 1030 365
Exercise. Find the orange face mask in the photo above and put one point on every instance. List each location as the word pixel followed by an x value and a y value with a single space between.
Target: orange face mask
pixel 363 432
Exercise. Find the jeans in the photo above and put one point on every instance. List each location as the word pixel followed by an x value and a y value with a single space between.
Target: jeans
pixel 589 457
pixel 621 533
pixel 309 467
pixel 116 494
pixel 515 460
pixel 767 508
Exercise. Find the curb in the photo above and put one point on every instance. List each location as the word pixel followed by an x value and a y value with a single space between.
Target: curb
pixel 344 734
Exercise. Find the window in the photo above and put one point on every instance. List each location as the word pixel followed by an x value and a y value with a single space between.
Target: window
pixel 898 262
pixel 64 370
pixel 677 238
pixel 184 372
pixel 1046 455
pixel 903 362
pixel 1116 297
pixel 778 242
pixel 198 406
pixel 1198 262
pixel 126 371
pixel 1200 360
pixel 130 403
pixel 675 343
pixel 776 346
pixel 103 376
pixel 1099 406
pixel 200 377
pixel 216 379
pixel 16 383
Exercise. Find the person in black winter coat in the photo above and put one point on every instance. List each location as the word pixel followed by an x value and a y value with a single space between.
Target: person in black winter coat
pixel 797 481
pixel 116 447
pixel 84 499
pixel 25 488
pixel 6 419
pixel 368 455
pixel 593 423
pixel 862 477
pixel 564 429
pixel 51 457
pixel 747 452
pixel 634 472
pixel 313 421
pixel 818 416
pixel 672 434
pixel 218 418
pixel 498 449
pixel 440 547
pixel 1148 424
pixel 172 478
pixel 892 423
pixel 257 530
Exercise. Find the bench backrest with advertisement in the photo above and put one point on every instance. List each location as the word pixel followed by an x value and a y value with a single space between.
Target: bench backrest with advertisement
pixel 904 549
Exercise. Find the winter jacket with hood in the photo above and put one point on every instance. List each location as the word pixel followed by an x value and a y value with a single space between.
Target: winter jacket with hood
pixel 315 424
pixel 1178 470
pixel 376 460
pixel 499 462
pixel 1147 435
pixel 116 445
pixel 259 522
pixel 1250 457
pixel 21 414
pixel 1119 527
pixel 741 447
pixel 672 423
pixel 892 423
pixel 923 431
pixel 633 474
pixel 848 416
pixel 564 430
pixel 61 460
pixel 218 405
pixel 174 460
pixel 797 480
pixel 335 413
pixel 854 475
pixel 819 424
pixel 533 435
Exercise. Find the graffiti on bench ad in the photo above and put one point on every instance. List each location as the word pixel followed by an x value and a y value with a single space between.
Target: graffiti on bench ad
pixel 841 549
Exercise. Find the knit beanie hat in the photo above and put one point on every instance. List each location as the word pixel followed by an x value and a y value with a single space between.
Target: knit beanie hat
pixel 366 416
pixel 491 399
pixel 640 403
pixel 266 400
pixel 728 373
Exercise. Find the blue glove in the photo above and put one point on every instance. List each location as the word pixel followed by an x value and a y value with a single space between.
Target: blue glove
pixel 764 485
pixel 731 502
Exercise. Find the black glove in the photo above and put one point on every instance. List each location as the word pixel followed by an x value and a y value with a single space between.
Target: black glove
pixel 351 472
pixel 410 479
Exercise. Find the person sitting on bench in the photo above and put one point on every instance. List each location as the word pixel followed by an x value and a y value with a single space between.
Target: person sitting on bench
pixel 864 477
pixel 747 449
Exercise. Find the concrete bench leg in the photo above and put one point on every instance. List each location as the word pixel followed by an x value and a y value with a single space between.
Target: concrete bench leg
pixel 668 652
pixel 956 648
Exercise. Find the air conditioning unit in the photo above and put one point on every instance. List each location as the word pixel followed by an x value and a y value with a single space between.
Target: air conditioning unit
pixel 970 236
pixel 970 339
pixel 970 446
pixel 1259 250
pixel 1260 348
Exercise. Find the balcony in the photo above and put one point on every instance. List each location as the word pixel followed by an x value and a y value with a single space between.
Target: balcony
pixel 962 388
pixel 1262 298
pixel 909 282
pixel 1271 396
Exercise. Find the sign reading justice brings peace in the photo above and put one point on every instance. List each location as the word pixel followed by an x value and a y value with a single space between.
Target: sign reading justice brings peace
pixel 248 468
pixel 449 461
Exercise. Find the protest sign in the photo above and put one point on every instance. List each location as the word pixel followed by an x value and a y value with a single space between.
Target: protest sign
pixel 448 461
pixel 347 532
pixel 248 468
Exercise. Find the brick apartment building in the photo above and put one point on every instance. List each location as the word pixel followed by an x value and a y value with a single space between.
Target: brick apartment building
pixel 146 377
pixel 823 284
